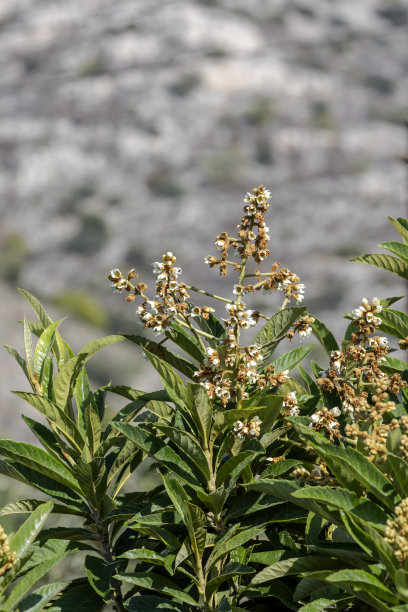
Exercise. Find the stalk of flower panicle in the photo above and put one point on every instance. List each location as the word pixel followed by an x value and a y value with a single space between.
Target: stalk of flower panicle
pixel 212 295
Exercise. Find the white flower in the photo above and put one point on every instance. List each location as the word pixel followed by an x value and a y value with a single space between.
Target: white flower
pixel 315 418
pixel 162 277
pixel 220 244
pixel 237 290
pixel 177 271
pixel 294 411
pixel 383 341
pixel 304 333
pixel 335 411
pixel 357 313
pixel 157 267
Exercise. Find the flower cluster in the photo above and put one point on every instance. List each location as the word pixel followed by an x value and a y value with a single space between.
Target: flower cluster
pixel 227 365
pixel 7 558
pixel 365 318
pixel 364 389
pixel 241 317
pixel 243 429
pixel 290 404
pixel 120 283
pixel 324 420
pixel 302 327
pixel 396 531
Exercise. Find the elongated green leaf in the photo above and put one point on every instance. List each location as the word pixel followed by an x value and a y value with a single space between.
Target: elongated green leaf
pixel 99 574
pixel 36 601
pixel 26 506
pixel 398 248
pixel 186 341
pixel 155 582
pixel 400 225
pixel 152 603
pixel 227 544
pixel 25 536
pixel 341 460
pixel 47 379
pixel 157 449
pixel 195 521
pixel 45 484
pixel 295 565
pixel 173 359
pixel 392 365
pixel 188 445
pixel 323 603
pixel 143 554
pixel 20 360
pixel 229 571
pixel 200 409
pixel 78 597
pixel 125 455
pixel 68 373
pixel 230 470
pixel 39 460
pixel 29 350
pixel 276 327
pixel 361 580
pixel 49 440
pixel 56 416
pixel 324 335
pixel 347 501
pixel 43 347
pixel 290 360
pixel 29 580
pixel 171 382
pixel 370 541
pixel 177 494
pixel 400 471
pixel 385 262
pixel 394 323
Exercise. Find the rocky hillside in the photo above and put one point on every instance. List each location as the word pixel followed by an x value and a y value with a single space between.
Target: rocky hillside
pixel 134 127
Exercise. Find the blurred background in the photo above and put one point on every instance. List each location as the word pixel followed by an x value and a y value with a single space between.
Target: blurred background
pixel 135 127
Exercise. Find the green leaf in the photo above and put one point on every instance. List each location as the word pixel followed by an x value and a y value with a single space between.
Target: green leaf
pixel 195 521
pixel 143 554
pixel 99 574
pixel 385 262
pixel 30 579
pixel 398 248
pixel 401 582
pixel 173 359
pixel 370 541
pixel 276 469
pixel 400 471
pixel 229 472
pixel 25 536
pixel 151 603
pixel 20 360
pixel 79 597
pixel 189 446
pixel 200 408
pixel 39 460
pixel 358 579
pixel 177 495
pixel 171 382
pixel 155 582
pixel 36 601
pixel 322 604
pixel 26 506
pixel 290 360
pixel 68 373
pixel 345 500
pixel 393 323
pixel 228 544
pixel 43 347
pixel 324 335
pixel 276 327
pixel 400 225
pixel 295 565
pixel 29 350
pixel 229 571
pixel 56 416
pixel 186 341
pixel 348 462
pixel 157 449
